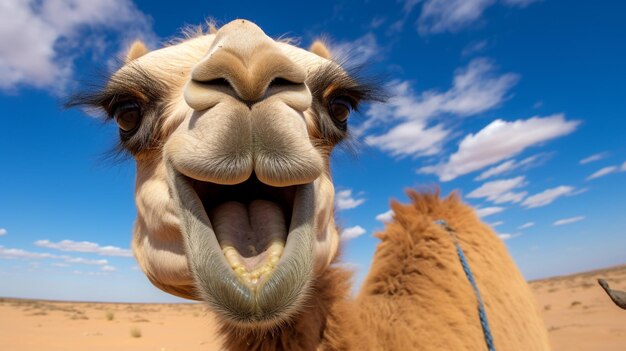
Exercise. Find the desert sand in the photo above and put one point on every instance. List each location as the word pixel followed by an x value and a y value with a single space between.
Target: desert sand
pixel 72 326
pixel 578 315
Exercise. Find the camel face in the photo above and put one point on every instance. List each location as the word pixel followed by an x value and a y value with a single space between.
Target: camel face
pixel 232 133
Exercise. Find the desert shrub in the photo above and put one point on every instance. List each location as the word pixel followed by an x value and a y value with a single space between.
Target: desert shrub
pixel 135 332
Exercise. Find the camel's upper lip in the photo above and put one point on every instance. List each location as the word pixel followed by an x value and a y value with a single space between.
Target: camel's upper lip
pixel 275 295
pixel 213 194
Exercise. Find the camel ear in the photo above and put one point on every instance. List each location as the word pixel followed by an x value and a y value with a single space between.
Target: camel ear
pixel 137 49
pixel 212 27
pixel 320 49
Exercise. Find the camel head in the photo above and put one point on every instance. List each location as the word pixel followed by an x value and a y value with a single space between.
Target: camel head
pixel 232 132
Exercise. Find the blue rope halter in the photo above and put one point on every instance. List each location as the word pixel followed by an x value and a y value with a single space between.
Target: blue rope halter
pixel 468 273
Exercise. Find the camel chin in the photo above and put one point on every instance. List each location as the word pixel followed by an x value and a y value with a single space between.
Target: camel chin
pixel 249 246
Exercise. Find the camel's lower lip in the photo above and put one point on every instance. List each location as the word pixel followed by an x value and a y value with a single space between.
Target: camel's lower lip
pixel 276 292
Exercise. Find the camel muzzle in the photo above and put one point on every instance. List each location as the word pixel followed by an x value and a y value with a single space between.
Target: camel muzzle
pixel 255 275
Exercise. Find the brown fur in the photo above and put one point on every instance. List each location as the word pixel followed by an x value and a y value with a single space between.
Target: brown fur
pixel 416 296
pixel 136 50
pixel 319 48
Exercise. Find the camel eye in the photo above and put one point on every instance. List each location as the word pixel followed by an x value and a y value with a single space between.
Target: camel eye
pixel 340 108
pixel 127 115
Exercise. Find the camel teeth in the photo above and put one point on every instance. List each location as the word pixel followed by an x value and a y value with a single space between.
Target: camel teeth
pixel 274 253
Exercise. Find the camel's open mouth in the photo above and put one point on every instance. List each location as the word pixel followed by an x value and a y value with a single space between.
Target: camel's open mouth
pixel 251 223
pixel 249 246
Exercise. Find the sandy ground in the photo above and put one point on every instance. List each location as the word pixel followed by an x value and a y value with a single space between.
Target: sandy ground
pixel 72 326
pixel 577 312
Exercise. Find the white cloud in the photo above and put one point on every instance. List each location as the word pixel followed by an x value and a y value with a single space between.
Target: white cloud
pixel 42 38
pixel 7 253
pixel 495 224
pixel 376 22
pixel 501 168
pixel 345 201
pixel 450 15
pixel 506 167
pixel 499 141
pixel 507 236
pixel 623 168
pixel 108 268
pixel 488 211
pixel 3 231
pixel 474 47
pixel 77 272
pixel 603 171
pixel 500 191
pixel 548 196
pixel 60 264
pixel 356 52
pixel 526 225
pixel 475 89
pixel 410 138
pixel 22 254
pixel 352 232
pixel 85 246
pixel 385 216
pixel 81 260
pixel 520 3
pixel 453 15
pixel 593 158
pixel 568 220
pixel 510 197
pixel 409 5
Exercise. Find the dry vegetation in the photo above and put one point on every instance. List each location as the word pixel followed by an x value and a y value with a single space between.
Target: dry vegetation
pixel 135 332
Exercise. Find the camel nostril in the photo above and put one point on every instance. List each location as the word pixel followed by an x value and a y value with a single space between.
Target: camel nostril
pixel 218 83
pixel 279 82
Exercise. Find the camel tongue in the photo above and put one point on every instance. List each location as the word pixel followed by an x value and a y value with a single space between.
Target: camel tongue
pixel 252 236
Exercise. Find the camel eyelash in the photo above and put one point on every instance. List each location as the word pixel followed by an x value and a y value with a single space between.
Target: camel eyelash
pixel 133 83
pixel 331 81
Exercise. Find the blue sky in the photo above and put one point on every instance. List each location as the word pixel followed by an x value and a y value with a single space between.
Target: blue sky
pixel 516 103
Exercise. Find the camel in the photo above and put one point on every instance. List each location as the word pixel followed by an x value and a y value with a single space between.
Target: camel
pixel 231 132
